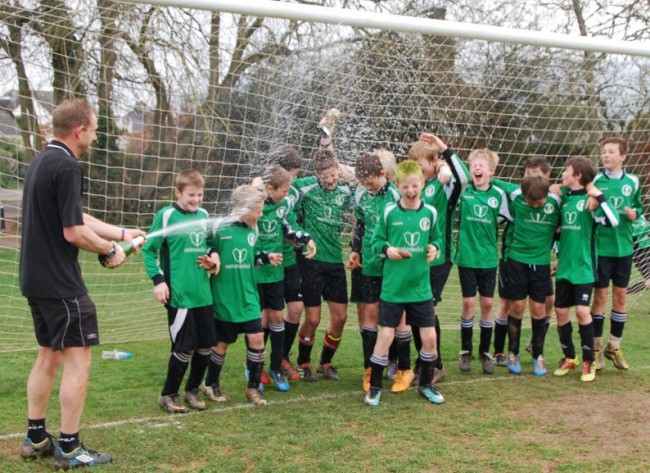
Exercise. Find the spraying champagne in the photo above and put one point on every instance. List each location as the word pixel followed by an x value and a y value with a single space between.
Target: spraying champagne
pixel 127 247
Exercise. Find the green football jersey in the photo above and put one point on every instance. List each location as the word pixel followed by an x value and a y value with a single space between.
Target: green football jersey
pixel 577 258
pixel 641 232
pixel 508 188
pixel 367 210
pixel 288 250
pixel 234 289
pixel 533 230
pixel 172 258
pixel 480 213
pixel 444 200
pixel 321 213
pixel 620 191
pixel 406 280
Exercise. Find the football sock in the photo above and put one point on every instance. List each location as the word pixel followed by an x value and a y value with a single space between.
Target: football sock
pixel 487 326
pixel 514 334
pixel 214 368
pixel 290 332
pixel 617 323
pixel 277 345
pixel 68 442
pixel 587 341
pixel 255 362
pixel 438 362
pixel 427 361
pixel 539 335
pixel 175 371
pixel 198 365
pixel 500 332
pixel 368 340
pixel 466 332
pixel 36 430
pixel 599 323
pixel 330 345
pixel 305 345
pixel 565 332
pixel 403 350
pixel 377 363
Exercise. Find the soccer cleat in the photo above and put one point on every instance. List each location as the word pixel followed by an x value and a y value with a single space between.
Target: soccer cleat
pixel 514 363
pixel 172 404
pixel 566 366
pixel 617 358
pixel 599 360
pixel 264 378
pixel 280 380
pixel 365 384
pixel 45 448
pixel 214 393
pixel 487 363
pixel 465 361
pixel 328 371
pixel 588 371
pixel 193 400
pixel 431 394
pixel 500 360
pixel 289 371
pixel 78 458
pixel 306 373
pixel 372 397
pixel 403 381
pixel 391 372
pixel 539 366
pixel 255 396
pixel 438 375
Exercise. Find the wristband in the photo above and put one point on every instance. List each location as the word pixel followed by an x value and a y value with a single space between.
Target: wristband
pixel 123 234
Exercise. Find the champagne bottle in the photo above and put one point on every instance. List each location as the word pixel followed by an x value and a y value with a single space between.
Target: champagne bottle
pixel 127 247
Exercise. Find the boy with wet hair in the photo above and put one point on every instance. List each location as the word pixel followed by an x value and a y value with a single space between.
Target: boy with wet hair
pixel 615 248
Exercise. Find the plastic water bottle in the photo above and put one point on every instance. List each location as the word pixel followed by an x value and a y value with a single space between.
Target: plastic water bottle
pixel 127 246
pixel 116 355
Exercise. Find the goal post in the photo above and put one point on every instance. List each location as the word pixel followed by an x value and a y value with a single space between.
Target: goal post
pixel 219 85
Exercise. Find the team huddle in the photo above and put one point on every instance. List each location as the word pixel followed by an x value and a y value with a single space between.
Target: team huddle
pixel 281 246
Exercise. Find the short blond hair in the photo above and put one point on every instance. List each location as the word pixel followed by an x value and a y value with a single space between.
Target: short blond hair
pixel 423 150
pixel 490 156
pixel 189 177
pixel 388 162
pixel 244 197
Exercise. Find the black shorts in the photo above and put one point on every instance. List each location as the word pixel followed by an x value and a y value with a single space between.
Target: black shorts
pixel 569 295
pixel 227 331
pixel 271 295
pixel 370 289
pixel 617 270
pixel 472 279
pixel 64 323
pixel 292 284
pixel 356 292
pixel 418 314
pixel 191 329
pixel 438 276
pixel 525 280
pixel 320 279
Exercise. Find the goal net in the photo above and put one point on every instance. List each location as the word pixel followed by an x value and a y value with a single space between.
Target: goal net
pixel 218 91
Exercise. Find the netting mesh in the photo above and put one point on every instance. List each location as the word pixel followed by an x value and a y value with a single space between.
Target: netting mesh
pixel 178 88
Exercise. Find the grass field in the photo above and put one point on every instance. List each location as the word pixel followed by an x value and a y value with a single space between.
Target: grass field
pixel 498 423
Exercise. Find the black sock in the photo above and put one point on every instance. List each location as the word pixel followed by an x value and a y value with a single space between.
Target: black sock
pixel 377 364
pixel 500 332
pixel 267 331
pixel 514 334
pixel 277 346
pixel 290 332
pixel 427 361
pixel 438 362
pixel 368 341
pixel 68 442
pixel 403 350
pixel 392 351
pixel 305 345
pixel 214 368
pixel 565 331
pixel 466 334
pixel 36 430
pixel 255 363
pixel 599 324
pixel 617 324
pixel 176 369
pixel 539 335
pixel 198 365
pixel 486 335
pixel 587 341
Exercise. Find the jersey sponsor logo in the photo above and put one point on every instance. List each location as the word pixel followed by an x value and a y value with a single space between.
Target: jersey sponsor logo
pixel 197 238
pixel 480 210
pixel 626 190
pixel 327 212
pixel 571 217
pixel 374 220
pixel 537 217
pixel 239 255
pixel 281 212
pixel 339 200
pixel 581 205
pixel 616 201
pixel 252 238
pixel 269 226
pixel 412 238
pixel 429 191
pixel 493 202
pixel 548 209
pixel 425 224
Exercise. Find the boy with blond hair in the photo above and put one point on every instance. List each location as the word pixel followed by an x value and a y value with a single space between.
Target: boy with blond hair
pixel 481 209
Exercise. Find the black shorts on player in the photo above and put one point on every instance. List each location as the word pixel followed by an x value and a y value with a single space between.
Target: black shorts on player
pixel 472 279
pixel 292 284
pixel 271 295
pixel 191 329
pixel 526 280
pixel 227 331
pixel 370 289
pixel 356 294
pixel 438 276
pixel 323 280
pixel 418 314
pixel 614 269
pixel 569 295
